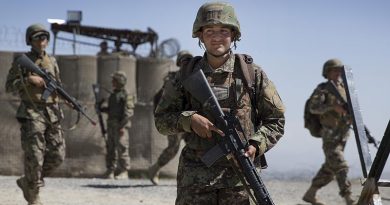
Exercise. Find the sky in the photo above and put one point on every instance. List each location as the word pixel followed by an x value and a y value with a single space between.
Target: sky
pixel 290 40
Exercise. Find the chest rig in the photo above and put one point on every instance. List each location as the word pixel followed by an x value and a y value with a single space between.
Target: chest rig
pixel 241 87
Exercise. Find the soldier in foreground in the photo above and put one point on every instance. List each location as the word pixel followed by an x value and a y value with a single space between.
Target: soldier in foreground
pixel 217 28
pixel 173 140
pixel 120 110
pixel 42 139
pixel 335 123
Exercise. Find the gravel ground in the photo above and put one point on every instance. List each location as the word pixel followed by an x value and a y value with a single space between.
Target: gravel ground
pixel 82 191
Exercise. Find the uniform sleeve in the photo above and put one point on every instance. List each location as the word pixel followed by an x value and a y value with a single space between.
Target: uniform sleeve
pixel 170 114
pixel 270 114
pixel 318 101
pixel 128 110
pixel 56 69
pixel 14 82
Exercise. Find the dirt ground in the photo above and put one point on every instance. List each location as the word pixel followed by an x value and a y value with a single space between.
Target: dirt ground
pixel 83 191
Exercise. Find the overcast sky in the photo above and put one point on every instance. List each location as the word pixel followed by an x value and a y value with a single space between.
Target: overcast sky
pixel 290 39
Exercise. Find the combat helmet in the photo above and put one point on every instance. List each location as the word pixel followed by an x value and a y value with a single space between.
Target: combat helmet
pixel 214 13
pixel 36 30
pixel 331 63
pixel 182 55
pixel 120 77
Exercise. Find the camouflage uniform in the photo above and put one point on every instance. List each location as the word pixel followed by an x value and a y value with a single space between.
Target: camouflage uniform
pixel 119 110
pixel 42 139
pixel 169 152
pixel 173 140
pixel 218 184
pixel 334 135
pixel 196 182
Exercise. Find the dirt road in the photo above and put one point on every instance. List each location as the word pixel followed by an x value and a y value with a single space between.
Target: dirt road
pixel 81 191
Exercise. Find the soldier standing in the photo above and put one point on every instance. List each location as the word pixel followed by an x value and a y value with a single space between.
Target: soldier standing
pixel 42 139
pixel 335 123
pixel 217 28
pixel 173 140
pixel 120 110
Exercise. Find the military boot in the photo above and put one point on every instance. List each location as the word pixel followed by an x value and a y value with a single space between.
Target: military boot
pixel 310 196
pixel 109 174
pixel 34 197
pixel 153 173
pixel 122 175
pixel 22 184
pixel 30 194
pixel 349 200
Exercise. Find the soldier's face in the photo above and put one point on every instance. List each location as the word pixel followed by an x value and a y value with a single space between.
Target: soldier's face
pixel 334 74
pixel 39 42
pixel 217 39
pixel 115 84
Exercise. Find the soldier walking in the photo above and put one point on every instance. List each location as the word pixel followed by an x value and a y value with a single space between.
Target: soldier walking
pixel 217 28
pixel 41 134
pixel 173 140
pixel 335 122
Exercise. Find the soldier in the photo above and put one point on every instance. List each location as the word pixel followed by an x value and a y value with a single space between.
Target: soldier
pixel 173 140
pixel 42 139
pixel 103 49
pixel 217 28
pixel 120 109
pixel 335 124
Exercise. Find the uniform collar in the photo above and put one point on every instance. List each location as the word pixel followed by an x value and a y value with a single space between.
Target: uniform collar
pixel 228 66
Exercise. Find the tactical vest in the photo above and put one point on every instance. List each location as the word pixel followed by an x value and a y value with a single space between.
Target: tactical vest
pixel 235 92
pixel 33 93
pixel 116 105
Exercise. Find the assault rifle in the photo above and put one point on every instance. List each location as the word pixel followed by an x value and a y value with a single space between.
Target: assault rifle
pixel 230 146
pixel 370 138
pixel 98 102
pixel 51 85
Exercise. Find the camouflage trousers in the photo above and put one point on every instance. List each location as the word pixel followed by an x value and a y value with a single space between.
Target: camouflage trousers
pixel 335 165
pixel 117 157
pixel 169 152
pixel 44 149
pixel 198 184
pixel 231 196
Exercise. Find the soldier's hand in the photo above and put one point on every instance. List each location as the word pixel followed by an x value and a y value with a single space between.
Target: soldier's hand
pixel 340 109
pixel 70 105
pixel 36 81
pixel 251 152
pixel 203 127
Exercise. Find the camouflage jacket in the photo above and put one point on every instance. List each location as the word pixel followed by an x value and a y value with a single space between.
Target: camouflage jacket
pixel 323 102
pixel 120 108
pixel 174 110
pixel 32 105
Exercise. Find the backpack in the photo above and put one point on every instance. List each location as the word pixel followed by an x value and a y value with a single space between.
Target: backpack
pixel 312 121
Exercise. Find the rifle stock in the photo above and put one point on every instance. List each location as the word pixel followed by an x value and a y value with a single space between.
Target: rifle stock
pixel 51 85
pixel 96 91
pixel 197 85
